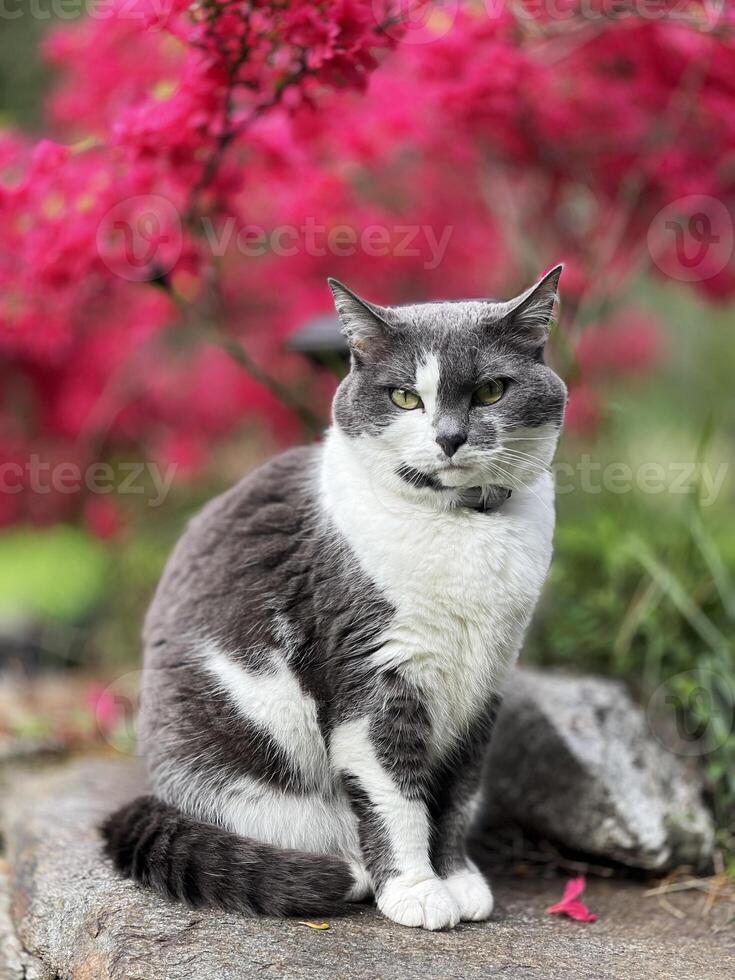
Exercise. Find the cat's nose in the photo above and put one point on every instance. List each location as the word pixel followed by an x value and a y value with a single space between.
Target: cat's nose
pixel 451 441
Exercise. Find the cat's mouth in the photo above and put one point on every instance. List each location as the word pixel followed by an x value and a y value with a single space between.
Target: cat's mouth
pixel 452 474
pixel 460 480
pixel 446 476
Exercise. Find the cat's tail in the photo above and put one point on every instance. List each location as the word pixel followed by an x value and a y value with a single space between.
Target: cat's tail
pixel 204 865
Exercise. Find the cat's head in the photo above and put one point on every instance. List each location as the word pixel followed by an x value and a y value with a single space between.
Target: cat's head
pixel 450 396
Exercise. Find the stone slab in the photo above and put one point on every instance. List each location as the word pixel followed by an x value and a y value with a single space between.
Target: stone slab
pixel 81 922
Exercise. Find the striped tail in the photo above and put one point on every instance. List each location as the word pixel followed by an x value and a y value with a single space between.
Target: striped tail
pixel 206 866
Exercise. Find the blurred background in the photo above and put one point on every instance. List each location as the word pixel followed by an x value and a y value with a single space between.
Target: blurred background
pixel 177 182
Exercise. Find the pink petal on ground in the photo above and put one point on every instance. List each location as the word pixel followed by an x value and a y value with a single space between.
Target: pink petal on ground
pixel 574 888
pixel 569 904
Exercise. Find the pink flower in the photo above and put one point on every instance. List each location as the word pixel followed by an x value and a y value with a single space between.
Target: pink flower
pixel 570 904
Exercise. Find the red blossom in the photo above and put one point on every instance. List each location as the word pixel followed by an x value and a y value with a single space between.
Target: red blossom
pixel 102 517
pixel 177 129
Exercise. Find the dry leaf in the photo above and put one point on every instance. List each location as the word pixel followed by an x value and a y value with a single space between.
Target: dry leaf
pixel 314 925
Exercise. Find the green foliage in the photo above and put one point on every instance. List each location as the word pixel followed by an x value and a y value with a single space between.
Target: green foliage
pixel 22 78
pixel 56 574
pixel 140 556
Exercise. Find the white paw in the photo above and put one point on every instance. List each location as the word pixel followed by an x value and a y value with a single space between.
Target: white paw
pixel 363 886
pixel 427 903
pixel 472 894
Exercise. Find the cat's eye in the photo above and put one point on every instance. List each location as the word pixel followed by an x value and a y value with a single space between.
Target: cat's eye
pixel 489 392
pixel 405 398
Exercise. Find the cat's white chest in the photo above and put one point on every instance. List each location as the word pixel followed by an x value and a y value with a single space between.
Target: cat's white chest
pixel 463 586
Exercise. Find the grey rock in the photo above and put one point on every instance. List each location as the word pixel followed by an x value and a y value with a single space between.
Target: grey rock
pixel 72 913
pixel 572 759
pixel 15 962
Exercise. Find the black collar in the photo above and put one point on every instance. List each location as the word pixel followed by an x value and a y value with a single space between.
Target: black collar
pixel 485 501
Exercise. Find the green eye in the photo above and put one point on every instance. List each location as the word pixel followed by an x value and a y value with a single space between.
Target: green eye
pixel 405 399
pixel 489 393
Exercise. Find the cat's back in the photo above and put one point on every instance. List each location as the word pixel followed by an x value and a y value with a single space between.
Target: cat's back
pixel 237 551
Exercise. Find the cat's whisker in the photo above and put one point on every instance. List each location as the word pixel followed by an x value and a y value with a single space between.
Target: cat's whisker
pixel 520 454
pixel 548 439
pixel 505 475
pixel 526 461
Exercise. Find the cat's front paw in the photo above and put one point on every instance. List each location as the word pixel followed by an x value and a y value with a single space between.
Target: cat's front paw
pixel 428 904
pixel 472 894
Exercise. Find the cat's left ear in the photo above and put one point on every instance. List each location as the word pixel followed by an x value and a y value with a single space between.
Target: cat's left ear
pixel 531 313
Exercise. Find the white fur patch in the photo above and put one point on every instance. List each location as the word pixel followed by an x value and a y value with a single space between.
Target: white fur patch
pixel 427 382
pixel 363 886
pixel 323 825
pixel 406 821
pixel 463 584
pixel 274 701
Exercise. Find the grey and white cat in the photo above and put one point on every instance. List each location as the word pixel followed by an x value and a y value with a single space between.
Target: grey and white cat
pixel 326 648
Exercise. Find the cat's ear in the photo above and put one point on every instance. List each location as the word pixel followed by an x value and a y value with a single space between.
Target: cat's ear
pixel 531 313
pixel 365 325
